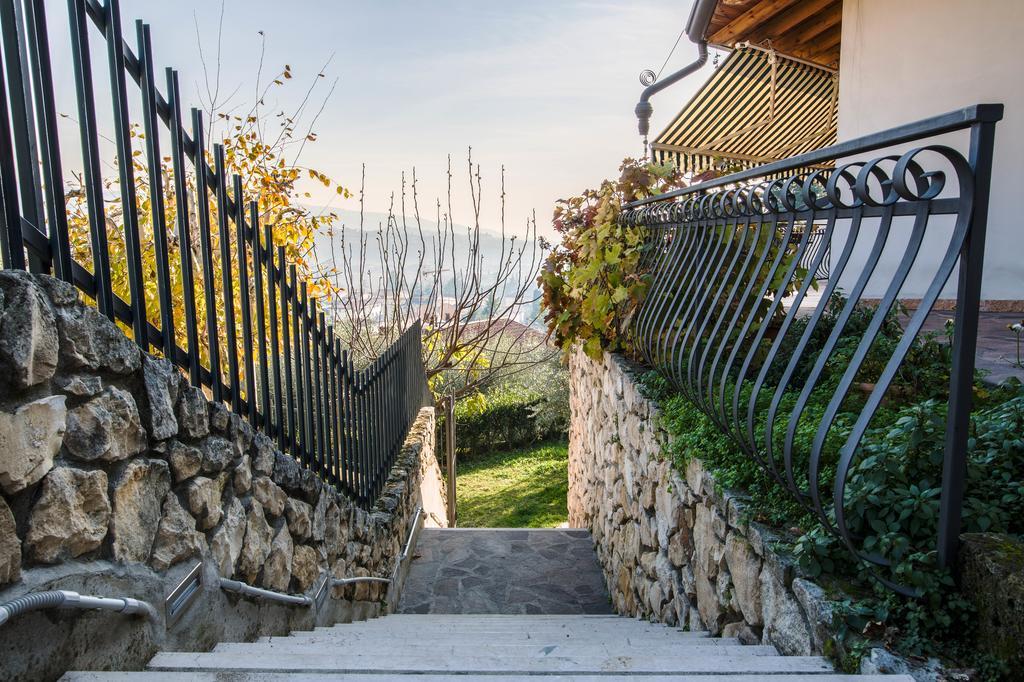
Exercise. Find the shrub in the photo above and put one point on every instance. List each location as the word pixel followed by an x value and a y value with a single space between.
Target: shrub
pixel 591 282
pixel 892 494
pixel 525 408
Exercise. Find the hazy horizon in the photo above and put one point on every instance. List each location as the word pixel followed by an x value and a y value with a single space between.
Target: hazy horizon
pixel 545 89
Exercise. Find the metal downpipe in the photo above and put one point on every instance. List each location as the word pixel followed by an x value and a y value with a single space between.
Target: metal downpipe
pixel 644 109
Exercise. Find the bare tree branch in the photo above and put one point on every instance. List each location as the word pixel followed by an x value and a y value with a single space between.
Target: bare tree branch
pixel 479 310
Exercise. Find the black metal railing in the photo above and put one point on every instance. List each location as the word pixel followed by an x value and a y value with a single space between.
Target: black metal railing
pixel 296 383
pixel 730 317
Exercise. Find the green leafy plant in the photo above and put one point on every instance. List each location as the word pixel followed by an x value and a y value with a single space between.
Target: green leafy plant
pixel 892 493
pixel 591 282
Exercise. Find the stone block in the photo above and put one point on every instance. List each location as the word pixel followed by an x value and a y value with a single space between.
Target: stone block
pixel 992 575
pixel 269 495
pixel 160 379
pixel 277 569
pixel 242 476
pixel 218 454
pixel 818 609
pixel 28 331
pixel 305 567
pixel 204 500
pixel 185 460
pixel 79 385
pixel 10 546
pixel 256 545
pixel 138 493
pixel 71 516
pixel 29 440
pixel 785 625
pixel 263 459
pixel 106 428
pixel 89 340
pixel 226 541
pixel 745 568
pixel 300 518
pixel 192 413
pixel 177 538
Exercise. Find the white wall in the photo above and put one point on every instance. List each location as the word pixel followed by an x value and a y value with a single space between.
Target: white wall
pixel 904 60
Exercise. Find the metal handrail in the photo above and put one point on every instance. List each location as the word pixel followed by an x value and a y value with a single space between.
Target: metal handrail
pixel 248 590
pixel 67 599
pixel 359 579
pixel 716 253
pixel 398 563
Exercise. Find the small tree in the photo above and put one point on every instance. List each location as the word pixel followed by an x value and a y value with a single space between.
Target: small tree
pixel 262 146
pixel 478 324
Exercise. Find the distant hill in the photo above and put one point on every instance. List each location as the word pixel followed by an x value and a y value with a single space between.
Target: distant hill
pixel 491 243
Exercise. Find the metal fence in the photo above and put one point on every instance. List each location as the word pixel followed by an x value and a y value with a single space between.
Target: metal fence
pixel 285 369
pixel 729 316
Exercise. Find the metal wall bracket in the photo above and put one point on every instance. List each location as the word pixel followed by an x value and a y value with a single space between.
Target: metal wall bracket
pixel 321 592
pixel 178 601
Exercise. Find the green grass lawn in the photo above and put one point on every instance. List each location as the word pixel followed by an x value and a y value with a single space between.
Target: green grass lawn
pixel 523 488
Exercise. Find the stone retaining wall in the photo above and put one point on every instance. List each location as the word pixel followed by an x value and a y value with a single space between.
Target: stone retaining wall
pixel 673 548
pixel 117 476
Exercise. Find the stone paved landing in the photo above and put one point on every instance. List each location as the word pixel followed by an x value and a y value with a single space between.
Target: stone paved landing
pixel 514 571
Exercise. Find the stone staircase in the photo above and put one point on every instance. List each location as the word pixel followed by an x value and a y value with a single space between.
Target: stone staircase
pixel 502 648
pixel 500 605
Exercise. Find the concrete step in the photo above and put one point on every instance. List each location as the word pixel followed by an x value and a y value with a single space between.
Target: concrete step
pixel 360 637
pixel 152 676
pixel 167 676
pixel 574 629
pixel 431 661
pixel 594 626
pixel 539 649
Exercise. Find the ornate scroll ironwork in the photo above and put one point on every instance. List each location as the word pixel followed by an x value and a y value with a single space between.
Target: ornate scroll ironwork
pixel 729 318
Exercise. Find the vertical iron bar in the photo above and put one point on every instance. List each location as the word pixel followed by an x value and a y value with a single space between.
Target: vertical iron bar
pixel 346 423
pixel 126 174
pixel 92 174
pixel 48 140
pixel 336 408
pixel 289 394
pixel 12 245
pixel 224 235
pixel 243 292
pixel 307 378
pixel 325 389
pixel 206 248
pixel 184 229
pixel 316 320
pixel 156 195
pixel 261 326
pixel 275 357
pixel 965 341
pixel 449 446
pixel 364 439
pixel 300 394
pixel 26 161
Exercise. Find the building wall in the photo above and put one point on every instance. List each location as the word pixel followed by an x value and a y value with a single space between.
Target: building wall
pixel 908 60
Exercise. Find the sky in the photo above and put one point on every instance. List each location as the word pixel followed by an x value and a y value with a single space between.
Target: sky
pixel 546 89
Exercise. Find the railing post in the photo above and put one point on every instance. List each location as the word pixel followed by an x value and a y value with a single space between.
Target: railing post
pixel 450 460
pixel 965 341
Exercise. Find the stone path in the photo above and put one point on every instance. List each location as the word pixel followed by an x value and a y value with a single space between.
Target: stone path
pixel 513 571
